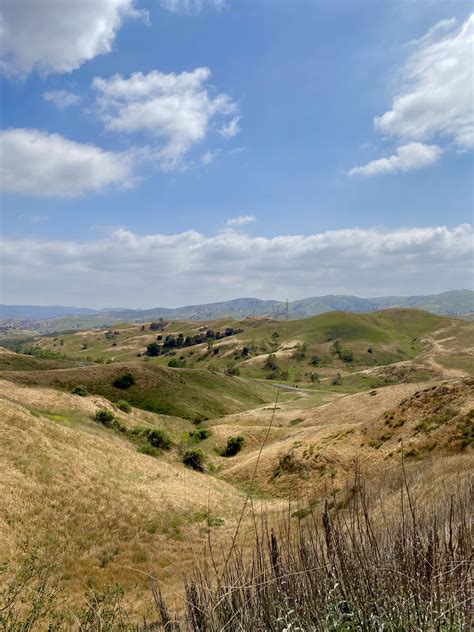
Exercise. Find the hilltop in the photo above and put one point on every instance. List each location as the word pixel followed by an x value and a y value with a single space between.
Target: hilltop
pixel 56 318
pixel 337 350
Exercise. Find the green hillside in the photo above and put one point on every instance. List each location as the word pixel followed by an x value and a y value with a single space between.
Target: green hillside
pixel 306 351
pixel 187 393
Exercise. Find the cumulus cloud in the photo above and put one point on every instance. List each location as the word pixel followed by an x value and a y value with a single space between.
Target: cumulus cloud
pixel 435 100
pixel 175 110
pixel 190 6
pixel 241 220
pixel 57 37
pixel 191 267
pixel 36 163
pixel 62 99
pixel 407 157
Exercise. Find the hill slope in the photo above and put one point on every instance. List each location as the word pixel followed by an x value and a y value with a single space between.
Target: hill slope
pixel 56 318
pixel 189 394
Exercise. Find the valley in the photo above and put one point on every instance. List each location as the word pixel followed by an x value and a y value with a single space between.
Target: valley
pixel 118 465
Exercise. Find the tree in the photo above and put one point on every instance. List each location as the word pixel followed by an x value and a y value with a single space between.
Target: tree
pixel 153 349
pixel 347 355
pixel 126 380
pixel 234 445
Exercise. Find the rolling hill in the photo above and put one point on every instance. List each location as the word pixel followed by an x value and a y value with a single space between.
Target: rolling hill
pixel 95 494
pixel 56 318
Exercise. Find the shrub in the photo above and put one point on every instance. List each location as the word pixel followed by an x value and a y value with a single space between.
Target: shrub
pixel 177 363
pixel 124 406
pixel 146 448
pixel 300 352
pixel 315 360
pixel 231 369
pixel 271 363
pixel 153 349
pixel 234 445
pixel 156 437
pixel 105 417
pixel 194 458
pixel 199 435
pixel 126 380
pixel 336 380
pixel 80 390
pixel 347 355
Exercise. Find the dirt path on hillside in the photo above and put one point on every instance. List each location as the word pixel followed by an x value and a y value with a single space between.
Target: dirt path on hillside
pixel 437 347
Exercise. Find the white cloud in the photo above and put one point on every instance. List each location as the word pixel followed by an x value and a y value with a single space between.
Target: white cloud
pixel 436 97
pixel 435 100
pixel 57 37
pixel 407 158
pixel 190 6
pixel 36 163
pixel 231 128
pixel 241 220
pixel 209 156
pixel 191 267
pixel 176 110
pixel 62 99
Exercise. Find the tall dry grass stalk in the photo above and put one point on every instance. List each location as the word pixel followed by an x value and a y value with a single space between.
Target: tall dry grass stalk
pixel 342 571
pixel 341 568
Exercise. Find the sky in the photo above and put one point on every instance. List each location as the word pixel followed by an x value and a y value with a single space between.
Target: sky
pixel 170 152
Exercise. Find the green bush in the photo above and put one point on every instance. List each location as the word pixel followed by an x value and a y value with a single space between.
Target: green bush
pixel 80 390
pixel 105 417
pixel 177 363
pixel 156 437
pixel 199 435
pixel 232 370
pixel 234 445
pixel 194 458
pixel 146 448
pixel 347 355
pixel 336 380
pixel 153 349
pixel 124 406
pixel 126 380
pixel 271 363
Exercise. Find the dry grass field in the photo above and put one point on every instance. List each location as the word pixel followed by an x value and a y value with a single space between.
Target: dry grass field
pixel 86 500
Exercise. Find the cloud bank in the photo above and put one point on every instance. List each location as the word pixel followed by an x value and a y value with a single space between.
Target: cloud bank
pixel 149 270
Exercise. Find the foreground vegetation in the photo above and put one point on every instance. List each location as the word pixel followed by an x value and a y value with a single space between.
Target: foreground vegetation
pixel 345 567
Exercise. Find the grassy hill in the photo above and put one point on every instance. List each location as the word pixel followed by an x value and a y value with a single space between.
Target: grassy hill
pixel 89 505
pixel 309 352
pixel 187 393
pixel 79 500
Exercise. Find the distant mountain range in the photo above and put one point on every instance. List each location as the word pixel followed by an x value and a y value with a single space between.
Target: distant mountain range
pixel 456 303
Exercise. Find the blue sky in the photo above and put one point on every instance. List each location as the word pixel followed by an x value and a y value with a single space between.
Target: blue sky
pixel 104 177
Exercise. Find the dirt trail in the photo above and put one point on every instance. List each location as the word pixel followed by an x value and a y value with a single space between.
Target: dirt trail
pixel 436 347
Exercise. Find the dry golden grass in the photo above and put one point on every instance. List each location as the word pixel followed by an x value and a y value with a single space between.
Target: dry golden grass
pixel 84 496
pixel 81 494
pixel 371 427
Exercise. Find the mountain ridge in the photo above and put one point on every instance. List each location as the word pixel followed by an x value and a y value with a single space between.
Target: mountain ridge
pixel 453 302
